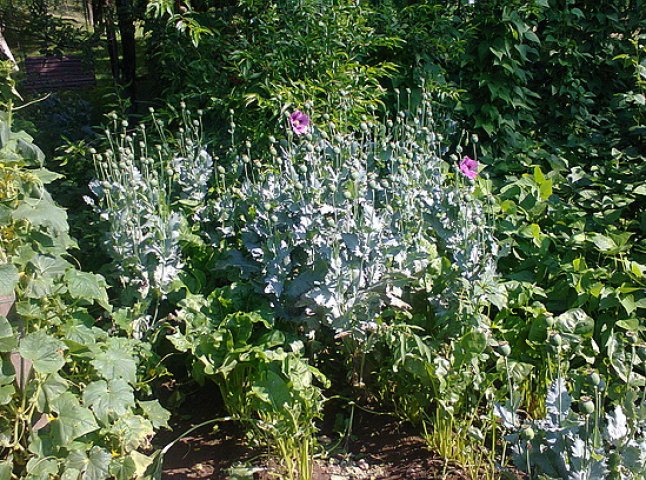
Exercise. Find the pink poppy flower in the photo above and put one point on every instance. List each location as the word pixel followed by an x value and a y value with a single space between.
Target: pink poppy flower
pixel 300 122
pixel 469 167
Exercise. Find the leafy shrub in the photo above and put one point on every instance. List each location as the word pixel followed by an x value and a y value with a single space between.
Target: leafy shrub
pixel 265 57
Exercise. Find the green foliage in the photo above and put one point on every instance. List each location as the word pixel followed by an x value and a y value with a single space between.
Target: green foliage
pixel 262 375
pixel 267 57
pixel 67 389
pixel 582 443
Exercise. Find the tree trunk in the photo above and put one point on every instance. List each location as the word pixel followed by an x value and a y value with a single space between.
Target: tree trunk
pixel 111 37
pixel 89 13
pixel 126 20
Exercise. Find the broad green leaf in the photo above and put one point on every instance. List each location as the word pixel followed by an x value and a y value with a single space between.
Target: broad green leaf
pixel 42 212
pixel 45 176
pixel 575 321
pixel 133 430
pixel 41 469
pixel 603 243
pixel 272 390
pixel 154 469
pixel 72 420
pixel 28 151
pixel 8 279
pixel 154 412
pixel 45 351
pixel 8 340
pixel 469 346
pixel 113 364
pixel 532 37
pixel 545 190
pixel 87 286
pixel 71 474
pixel 124 468
pixel 518 371
pixel 617 427
pixel 109 400
pixel 93 466
pixel 52 388
pixel 6 394
pixel 558 401
pixel 628 302
pixel 6 468
pixel 44 271
pixel 78 336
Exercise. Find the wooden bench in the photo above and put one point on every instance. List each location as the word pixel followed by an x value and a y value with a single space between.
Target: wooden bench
pixel 54 73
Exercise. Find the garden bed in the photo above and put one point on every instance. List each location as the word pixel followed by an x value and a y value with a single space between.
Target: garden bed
pixel 382 448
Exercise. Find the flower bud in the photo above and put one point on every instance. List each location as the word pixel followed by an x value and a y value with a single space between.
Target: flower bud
pixel 504 349
pixel 595 378
pixel 587 405
pixel 527 433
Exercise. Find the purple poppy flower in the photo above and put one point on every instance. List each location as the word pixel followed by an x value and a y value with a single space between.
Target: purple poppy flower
pixel 469 167
pixel 299 122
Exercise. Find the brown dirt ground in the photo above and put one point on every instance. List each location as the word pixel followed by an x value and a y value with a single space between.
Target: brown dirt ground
pixel 382 449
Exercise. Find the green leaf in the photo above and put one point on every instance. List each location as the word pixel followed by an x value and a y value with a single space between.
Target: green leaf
pixel 518 371
pixel 469 346
pixel 575 321
pixel 124 468
pixel 602 242
pixel 113 364
pixel 154 412
pixel 273 390
pixel 6 468
pixel 8 340
pixel 94 466
pixel 98 464
pixel 45 176
pixel 42 212
pixel 72 421
pixel 52 388
pixel 109 400
pixel 30 152
pixel 154 469
pixel 9 279
pixel 41 469
pixel 628 302
pixel 532 37
pixel 133 430
pixel 71 474
pixel 87 286
pixel 44 351
pixel 44 271
pixel 6 394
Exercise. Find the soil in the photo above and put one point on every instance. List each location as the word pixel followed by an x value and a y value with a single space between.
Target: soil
pixel 382 448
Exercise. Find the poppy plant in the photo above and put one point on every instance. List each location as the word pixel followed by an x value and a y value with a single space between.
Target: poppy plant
pixel 299 122
pixel 469 167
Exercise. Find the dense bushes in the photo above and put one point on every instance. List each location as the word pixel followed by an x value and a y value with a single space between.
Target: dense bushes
pixel 333 237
